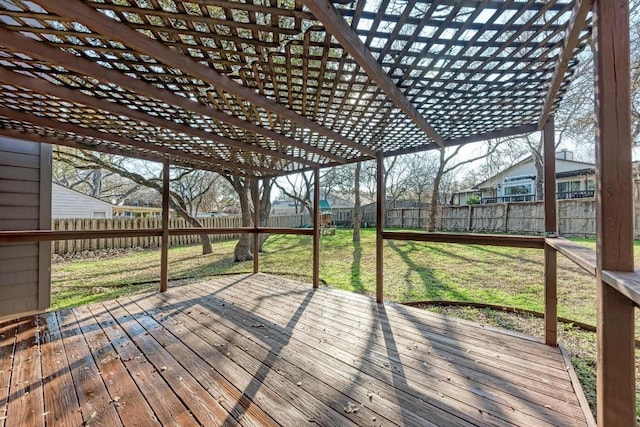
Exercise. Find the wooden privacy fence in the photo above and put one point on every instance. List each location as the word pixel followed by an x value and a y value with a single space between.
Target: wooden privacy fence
pixel 407 218
pixel 343 217
pixel 62 247
pixel 575 218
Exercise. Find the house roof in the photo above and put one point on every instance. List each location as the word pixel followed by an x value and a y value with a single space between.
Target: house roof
pixel 78 193
pixel 529 159
pixel 267 90
pixel 577 172
pixel 324 205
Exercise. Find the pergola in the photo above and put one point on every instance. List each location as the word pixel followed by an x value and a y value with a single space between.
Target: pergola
pixel 262 88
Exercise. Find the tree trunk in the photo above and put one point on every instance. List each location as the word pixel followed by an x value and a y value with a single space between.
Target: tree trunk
pixel 435 195
pixel 265 208
pixel 242 251
pixel 539 176
pixel 357 213
pixel 97 183
pixel 419 208
pixel 204 238
pixel 433 209
pixel 182 213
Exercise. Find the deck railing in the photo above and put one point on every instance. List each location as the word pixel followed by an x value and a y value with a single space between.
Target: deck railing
pixel 508 199
pixel 582 194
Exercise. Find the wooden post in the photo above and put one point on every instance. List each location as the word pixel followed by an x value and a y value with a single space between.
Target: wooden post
pixel 614 202
pixel 551 227
pixel 506 217
pixel 316 228
pixel 164 246
pixel 379 227
pixel 255 195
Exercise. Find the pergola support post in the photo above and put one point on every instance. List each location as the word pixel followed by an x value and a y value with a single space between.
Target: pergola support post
pixel 380 227
pixel 316 228
pixel 255 195
pixel 614 202
pixel 551 228
pixel 164 240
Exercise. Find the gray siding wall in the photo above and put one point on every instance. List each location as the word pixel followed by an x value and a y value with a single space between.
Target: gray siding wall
pixel 68 203
pixel 25 204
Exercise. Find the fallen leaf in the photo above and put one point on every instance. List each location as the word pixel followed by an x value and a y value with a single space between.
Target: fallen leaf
pixel 350 408
pixel 90 418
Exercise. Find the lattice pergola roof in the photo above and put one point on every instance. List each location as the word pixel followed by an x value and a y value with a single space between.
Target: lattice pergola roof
pixel 265 87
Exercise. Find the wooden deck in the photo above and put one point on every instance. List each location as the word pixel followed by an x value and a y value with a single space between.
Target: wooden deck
pixel 262 350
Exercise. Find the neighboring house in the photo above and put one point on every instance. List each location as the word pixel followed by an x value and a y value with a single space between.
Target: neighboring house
pixel 145 203
pixel 518 183
pixel 287 206
pixel 123 211
pixel 68 203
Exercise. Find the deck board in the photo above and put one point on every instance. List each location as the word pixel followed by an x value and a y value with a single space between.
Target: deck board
pixel 383 356
pixel 60 396
pixel 26 398
pixel 8 334
pixel 256 350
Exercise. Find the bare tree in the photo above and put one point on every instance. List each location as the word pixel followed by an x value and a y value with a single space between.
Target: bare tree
pixel 97 183
pixel 421 171
pixel 357 210
pixel 85 160
pixel 264 194
pixel 395 179
pixel 243 250
pixel 446 165
pixel 298 187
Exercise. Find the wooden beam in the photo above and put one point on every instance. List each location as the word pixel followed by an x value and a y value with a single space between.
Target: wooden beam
pixel 614 200
pixel 500 133
pixel 380 196
pixel 126 141
pixel 45 139
pixel 53 55
pixel 582 256
pixel 50 235
pixel 512 241
pixel 626 283
pixel 255 195
pixel 550 296
pixel 551 228
pixel 91 18
pixel 44 87
pixel 164 240
pixel 577 22
pixel 550 214
pixel 335 24
pixel 44 219
pixel 316 228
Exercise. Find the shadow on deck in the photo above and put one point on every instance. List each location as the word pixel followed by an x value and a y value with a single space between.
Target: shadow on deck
pixel 262 350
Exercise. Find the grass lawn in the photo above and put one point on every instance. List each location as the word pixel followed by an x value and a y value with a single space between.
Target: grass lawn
pixel 414 271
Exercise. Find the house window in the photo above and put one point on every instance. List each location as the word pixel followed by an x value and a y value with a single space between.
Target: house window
pixel 568 186
pixel 520 189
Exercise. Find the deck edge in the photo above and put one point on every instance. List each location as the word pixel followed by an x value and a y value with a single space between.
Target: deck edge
pixel 577 388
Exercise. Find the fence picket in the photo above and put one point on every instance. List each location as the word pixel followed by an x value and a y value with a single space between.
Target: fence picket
pixel 62 247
